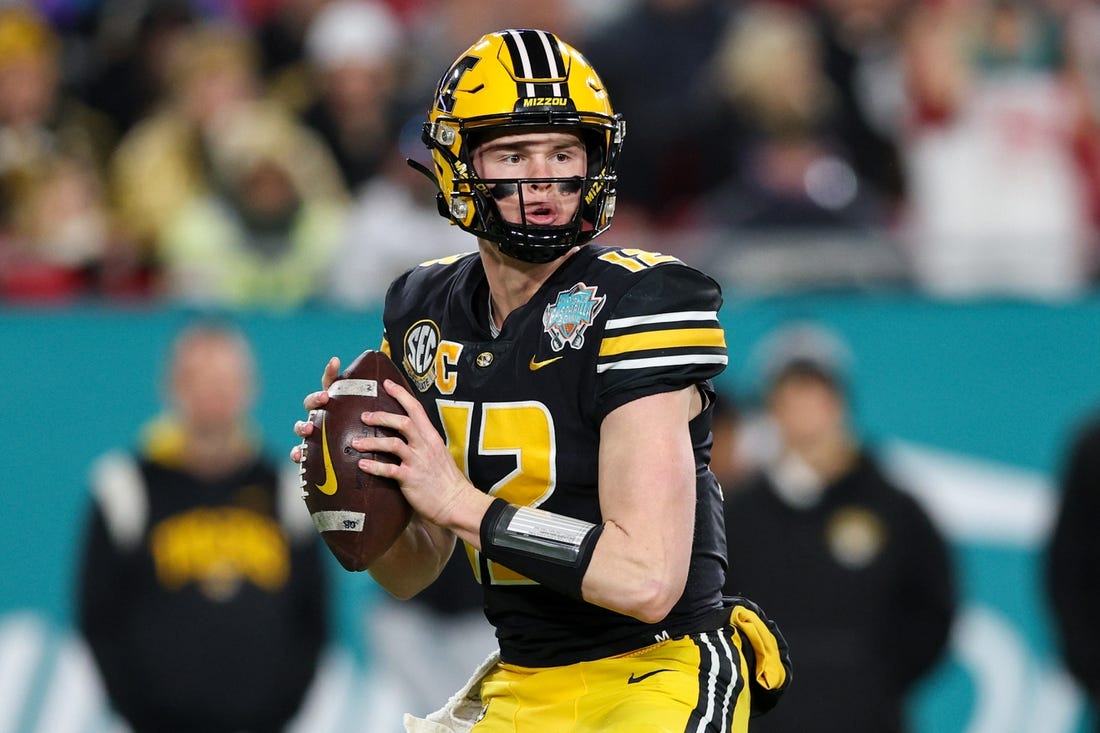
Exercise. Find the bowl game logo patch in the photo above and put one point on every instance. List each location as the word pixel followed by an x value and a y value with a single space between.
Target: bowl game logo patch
pixel 567 318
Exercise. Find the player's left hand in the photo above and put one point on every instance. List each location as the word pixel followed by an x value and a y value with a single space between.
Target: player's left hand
pixel 427 473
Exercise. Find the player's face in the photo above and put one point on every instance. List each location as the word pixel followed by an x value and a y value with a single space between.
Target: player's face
pixel 534 155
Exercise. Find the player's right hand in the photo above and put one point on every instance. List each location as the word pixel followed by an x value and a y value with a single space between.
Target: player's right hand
pixel 313 401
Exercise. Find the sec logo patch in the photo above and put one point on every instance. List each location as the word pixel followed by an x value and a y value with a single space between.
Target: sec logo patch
pixel 421 344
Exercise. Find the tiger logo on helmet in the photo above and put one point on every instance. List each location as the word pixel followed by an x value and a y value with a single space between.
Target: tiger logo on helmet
pixel 522 79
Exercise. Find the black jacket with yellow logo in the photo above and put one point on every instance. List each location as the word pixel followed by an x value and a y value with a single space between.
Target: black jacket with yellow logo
pixel 203 601
pixel 863 586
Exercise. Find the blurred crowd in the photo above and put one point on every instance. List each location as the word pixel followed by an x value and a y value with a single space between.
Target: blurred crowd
pixel 252 153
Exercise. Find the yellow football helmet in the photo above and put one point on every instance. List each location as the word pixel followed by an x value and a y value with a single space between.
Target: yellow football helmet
pixel 517 79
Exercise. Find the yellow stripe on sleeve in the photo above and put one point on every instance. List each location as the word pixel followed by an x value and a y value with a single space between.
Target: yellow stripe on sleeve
pixel 667 339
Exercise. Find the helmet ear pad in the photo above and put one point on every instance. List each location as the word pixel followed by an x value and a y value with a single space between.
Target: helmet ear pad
pixel 598 166
pixel 595 150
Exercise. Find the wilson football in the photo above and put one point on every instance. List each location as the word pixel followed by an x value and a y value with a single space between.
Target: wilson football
pixel 358 515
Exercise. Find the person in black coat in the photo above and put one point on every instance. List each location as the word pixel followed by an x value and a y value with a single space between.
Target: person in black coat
pixel 202 593
pixel 850 566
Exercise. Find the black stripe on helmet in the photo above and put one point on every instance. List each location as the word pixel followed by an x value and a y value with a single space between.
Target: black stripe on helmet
pixel 546 61
pixel 536 57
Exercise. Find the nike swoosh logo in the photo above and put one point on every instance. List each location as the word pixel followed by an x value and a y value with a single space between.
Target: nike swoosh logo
pixel 329 486
pixel 647 675
pixel 536 365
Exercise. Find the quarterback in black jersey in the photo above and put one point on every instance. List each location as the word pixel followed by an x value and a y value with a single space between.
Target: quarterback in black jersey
pixel 559 424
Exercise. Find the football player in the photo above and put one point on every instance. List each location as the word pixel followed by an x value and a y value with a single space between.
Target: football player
pixel 560 423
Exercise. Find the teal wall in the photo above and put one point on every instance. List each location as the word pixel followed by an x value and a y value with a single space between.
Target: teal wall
pixel 998 383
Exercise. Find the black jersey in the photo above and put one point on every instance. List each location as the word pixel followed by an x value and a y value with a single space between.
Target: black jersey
pixel 521 414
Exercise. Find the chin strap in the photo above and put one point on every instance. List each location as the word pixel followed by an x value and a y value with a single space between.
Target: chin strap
pixel 418 166
pixel 427 173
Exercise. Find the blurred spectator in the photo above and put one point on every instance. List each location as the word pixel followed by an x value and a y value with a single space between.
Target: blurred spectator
pixel 353 51
pixel 62 244
pixel 166 161
pixel 56 239
pixel 998 201
pixel 38 118
pixel 791 209
pixel 653 59
pixel 129 54
pixel 850 565
pixel 1073 561
pixel 266 234
pixel 280 31
pixel 862 55
pixel 1080 20
pixel 788 167
pixel 394 225
pixel 202 592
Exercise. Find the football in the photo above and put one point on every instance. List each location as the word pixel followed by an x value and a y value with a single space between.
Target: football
pixel 358 515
